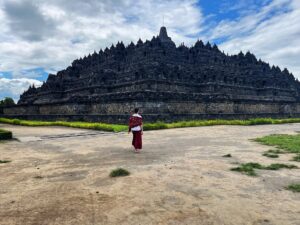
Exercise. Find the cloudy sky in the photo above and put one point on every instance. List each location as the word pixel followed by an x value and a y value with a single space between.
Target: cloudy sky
pixel 39 37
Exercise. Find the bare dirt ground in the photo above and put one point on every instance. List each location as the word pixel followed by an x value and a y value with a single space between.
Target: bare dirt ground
pixel 61 176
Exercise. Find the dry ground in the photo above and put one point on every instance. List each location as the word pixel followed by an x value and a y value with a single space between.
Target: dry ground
pixel 61 176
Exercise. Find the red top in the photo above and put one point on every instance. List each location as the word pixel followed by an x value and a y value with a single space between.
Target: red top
pixel 135 121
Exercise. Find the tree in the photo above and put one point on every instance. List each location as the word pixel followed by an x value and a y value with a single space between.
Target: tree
pixel 7 101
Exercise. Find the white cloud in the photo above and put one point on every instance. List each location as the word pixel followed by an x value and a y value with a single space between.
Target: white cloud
pixel 14 87
pixel 274 38
pixel 71 29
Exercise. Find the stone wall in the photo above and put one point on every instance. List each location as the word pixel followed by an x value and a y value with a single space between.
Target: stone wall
pixel 153 111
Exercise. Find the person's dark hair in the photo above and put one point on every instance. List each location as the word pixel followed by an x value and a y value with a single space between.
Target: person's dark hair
pixel 136 110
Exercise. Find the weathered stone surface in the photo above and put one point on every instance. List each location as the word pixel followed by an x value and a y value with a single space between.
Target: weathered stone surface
pixel 164 79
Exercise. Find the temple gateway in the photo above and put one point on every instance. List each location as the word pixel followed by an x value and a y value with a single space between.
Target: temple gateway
pixel 167 82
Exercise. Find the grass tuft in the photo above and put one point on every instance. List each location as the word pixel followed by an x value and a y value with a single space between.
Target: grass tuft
pixel 5 135
pixel 296 158
pixel 120 172
pixel 277 166
pixel 248 168
pixel 294 187
pixel 270 155
pixel 4 161
pixel 277 151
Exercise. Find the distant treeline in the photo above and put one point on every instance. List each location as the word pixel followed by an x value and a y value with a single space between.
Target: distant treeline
pixel 7 101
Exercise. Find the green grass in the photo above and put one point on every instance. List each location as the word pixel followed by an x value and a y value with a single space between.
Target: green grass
pixel 296 158
pixel 276 151
pixel 199 123
pixel 5 135
pixel 150 126
pixel 286 144
pixel 278 166
pixel 289 143
pixel 249 168
pixel 270 155
pixel 294 187
pixel 120 172
pixel 85 125
pixel 4 161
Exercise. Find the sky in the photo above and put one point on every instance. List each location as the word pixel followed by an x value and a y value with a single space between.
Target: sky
pixel 39 37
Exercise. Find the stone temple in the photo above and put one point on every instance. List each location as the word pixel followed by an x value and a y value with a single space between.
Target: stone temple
pixel 167 82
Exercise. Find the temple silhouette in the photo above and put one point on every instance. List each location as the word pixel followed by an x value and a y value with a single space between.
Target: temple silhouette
pixel 167 82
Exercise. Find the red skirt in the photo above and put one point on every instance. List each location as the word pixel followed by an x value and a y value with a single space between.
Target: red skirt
pixel 137 139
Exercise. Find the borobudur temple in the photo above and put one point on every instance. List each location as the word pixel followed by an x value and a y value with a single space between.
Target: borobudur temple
pixel 167 82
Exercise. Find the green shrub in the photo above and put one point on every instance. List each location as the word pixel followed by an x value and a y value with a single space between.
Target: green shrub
pixel 5 135
pixel 258 121
pixel 120 172
pixel 155 126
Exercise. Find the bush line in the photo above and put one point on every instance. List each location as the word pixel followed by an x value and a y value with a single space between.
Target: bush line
pixel 150 126
pixel 199 123
pixel 85 125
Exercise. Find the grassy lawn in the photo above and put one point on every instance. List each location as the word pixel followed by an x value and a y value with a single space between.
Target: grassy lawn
pixel 289 143
pixel 150 126
pixel 5 135
pixel 285 144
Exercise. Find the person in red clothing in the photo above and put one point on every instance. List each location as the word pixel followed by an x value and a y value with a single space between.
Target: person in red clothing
pixel 136 127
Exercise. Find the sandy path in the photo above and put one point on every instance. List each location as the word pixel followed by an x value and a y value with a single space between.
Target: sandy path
pixel 179 178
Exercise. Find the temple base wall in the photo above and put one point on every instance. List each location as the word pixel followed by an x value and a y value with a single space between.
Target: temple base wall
pixel 153 111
